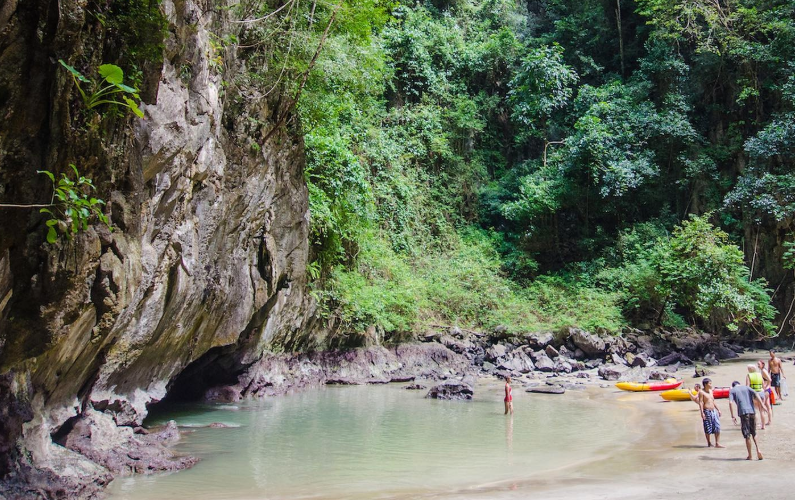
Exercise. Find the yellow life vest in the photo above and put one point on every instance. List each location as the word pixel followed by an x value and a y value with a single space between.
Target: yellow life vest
pixel 756 382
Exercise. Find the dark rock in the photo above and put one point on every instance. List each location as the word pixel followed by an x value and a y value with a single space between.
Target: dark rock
pixel 640 360
pixel 218 425
pixel 672 368
pixel 612 372
pixel 540 340
pixel 579 354
pixel 551 352
pixel 563 351
pixel 618 346
pixel 545 364
pixel 516 361
pixel 562 366
pixel 488 367
pixel 618 360
pixel 546 389
pixel 723 352
pixel 457 346
pixel 456 332
pixel 733 347
pixel 431 336
pixel 669 359
pixel 591 345
pixel 710 359
pixel 583 375
pixel 496 351
pixel 414 387
pixel 593 363
pixel 452 390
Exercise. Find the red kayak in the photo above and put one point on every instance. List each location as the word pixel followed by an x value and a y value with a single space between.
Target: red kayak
pixel 683 394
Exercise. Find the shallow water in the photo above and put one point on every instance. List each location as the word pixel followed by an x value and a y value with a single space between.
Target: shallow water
pixel 377 442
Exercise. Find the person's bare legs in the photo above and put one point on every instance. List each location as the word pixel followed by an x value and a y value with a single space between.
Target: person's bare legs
pixel 749 449
pixel 507 405
pixel 511 407
pixel 758 453
pixel 708 440
pixel 717 445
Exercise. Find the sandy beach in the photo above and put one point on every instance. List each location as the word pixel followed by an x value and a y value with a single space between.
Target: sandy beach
pixel 667 456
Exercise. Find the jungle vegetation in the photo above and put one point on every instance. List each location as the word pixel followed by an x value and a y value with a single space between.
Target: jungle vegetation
pixel 541 164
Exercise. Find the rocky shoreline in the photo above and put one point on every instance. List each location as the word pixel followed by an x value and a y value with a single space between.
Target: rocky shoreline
pixel 82 457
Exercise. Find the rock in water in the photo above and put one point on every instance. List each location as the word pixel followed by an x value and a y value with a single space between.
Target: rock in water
pixel 546 389
pixel 452 389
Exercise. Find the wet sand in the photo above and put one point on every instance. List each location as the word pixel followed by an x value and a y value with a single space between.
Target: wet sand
pixel 667 457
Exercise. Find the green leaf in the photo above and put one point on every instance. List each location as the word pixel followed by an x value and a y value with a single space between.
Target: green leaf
pixel 77 74
pixel 52 236
pixel 134 107
pixel 75 169
pixel 112 73
pixel 48 174
pixel 51 222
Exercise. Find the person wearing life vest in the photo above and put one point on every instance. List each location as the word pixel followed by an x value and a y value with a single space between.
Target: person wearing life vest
pixel 755 381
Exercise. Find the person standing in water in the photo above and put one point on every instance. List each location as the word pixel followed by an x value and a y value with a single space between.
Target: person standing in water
pixel 756 382
pixel 776 372
pixel 745 397
pixel 709 413
pixel 508 398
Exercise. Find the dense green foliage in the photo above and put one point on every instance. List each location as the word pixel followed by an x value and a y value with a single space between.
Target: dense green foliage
pixel 540 164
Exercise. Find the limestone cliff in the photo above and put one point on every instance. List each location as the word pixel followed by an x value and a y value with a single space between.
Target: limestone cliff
pixel 206 261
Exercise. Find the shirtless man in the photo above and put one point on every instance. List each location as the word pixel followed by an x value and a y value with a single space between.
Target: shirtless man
pixel 709 413
pixel 776 372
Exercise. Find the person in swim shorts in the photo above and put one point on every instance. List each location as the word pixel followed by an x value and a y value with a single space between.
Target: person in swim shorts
pixel 745 399
pixel 507 400
pixel 776 371
pixel 709 413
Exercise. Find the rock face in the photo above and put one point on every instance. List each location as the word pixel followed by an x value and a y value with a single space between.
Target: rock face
pixel 206 263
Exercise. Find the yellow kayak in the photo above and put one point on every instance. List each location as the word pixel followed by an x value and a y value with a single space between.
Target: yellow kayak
pixel 670 383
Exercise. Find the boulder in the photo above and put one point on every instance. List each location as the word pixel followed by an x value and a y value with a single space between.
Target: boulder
pixel 669 359
pixel 699 371
pixel 640 360
pixel 583 375
pixel 578 354
pixel 539 340
pixel 545 364
pixel 723 352
pixel 562 366
pixel 516 361
pixel 563 351
pixel 612 372
pixel 452 390
pixel 593 363
pixel 415 387
pixel 551 352
pixel 496 351
pixel 455 345
pixel 618 360
pixel 591 345
pixel 546 389
pixel 488 367
pixel 659 375
pixel 710 359
pixel 618 345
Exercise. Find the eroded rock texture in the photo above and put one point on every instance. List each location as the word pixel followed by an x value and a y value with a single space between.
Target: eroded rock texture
pixel 206 260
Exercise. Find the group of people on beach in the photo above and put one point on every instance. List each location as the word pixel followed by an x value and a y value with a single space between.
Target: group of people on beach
pixel 763 390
